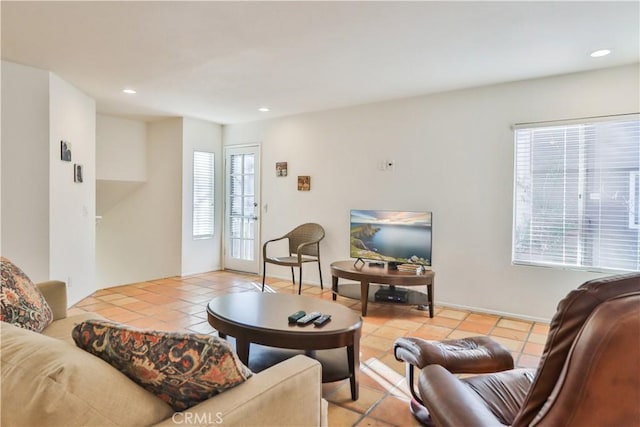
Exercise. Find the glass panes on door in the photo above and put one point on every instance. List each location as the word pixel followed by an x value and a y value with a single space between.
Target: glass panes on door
pixel 242 206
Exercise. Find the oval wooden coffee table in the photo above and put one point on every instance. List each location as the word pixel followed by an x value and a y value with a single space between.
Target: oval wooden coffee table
pixel 261 318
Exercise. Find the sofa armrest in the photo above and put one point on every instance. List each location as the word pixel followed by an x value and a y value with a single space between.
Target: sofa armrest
pixel 286 394
pixel 55 292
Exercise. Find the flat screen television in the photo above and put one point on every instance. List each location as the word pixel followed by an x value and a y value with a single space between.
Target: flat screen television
pixel 395 237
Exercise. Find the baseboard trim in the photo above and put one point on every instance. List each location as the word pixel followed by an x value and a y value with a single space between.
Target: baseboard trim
pixel 218 268
pixel 305 282
pixel 494 312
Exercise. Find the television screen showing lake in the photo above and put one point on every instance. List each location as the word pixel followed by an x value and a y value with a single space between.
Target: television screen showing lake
pixel 391 242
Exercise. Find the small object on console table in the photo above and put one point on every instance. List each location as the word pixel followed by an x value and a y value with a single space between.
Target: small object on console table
pixel 309 318
pixel 321 320
pixel 296 316
pixel 410 268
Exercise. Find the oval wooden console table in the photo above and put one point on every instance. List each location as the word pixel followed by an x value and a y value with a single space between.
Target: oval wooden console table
pixel 365 274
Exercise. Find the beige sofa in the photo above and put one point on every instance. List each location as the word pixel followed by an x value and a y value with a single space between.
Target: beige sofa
pixel 48 381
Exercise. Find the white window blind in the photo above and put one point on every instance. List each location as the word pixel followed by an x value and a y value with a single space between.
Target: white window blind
pixel 203 194
pixel 576 194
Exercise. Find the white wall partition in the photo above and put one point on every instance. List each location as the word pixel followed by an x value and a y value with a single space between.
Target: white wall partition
pixel 72 204
pixel 48 219
pixel 140 238
pixel 121 160
pixel 200 255
pixel 121 149
pixel 146 234
pixel 25 168
pixel 453 155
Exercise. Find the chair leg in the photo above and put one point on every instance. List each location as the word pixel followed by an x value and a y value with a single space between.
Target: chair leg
pixel 320 271
pixel 421 414
pixel 264 273
pixel 418 410
pixel 409 375
pixel 300 281
pixel 293 276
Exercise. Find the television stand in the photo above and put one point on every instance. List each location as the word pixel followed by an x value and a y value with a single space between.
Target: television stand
pixel 366 275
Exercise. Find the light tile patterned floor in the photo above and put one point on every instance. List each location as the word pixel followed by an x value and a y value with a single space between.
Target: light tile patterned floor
pixel 178 303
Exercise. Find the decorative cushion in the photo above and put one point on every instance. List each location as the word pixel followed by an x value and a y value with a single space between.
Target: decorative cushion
pixel 21 302
pixel 181 369
pixel 48 382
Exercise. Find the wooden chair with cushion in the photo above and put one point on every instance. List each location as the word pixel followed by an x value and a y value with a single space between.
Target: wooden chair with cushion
pixel 304 246
pixel 588 375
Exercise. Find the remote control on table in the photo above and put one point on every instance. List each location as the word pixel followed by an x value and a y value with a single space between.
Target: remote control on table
pixel 297 315
pixel 309 318
pixel 322 320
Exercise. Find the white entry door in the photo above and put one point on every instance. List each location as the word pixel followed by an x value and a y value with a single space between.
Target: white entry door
pixel 242 208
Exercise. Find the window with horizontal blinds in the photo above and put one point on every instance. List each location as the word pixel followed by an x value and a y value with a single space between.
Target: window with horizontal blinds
pixel 576 201
pixel 203 194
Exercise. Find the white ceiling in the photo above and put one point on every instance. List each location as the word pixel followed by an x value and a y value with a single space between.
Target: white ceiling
pixel 220 61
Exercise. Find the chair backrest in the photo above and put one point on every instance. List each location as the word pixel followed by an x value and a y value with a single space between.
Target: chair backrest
pixel 592 352
pixel 600 382
pixel 305 233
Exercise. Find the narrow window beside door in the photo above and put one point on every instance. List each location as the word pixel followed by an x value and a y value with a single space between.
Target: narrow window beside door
pixel 203 195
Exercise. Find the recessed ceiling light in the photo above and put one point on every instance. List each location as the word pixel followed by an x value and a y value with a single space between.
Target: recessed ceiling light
pixel 130 91
pixel 263 109
pixel 599 53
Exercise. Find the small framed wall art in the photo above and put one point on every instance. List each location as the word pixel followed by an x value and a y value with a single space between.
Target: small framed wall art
pixel 304 183
pixel 77 173
pixel 281 168
pixel 65 151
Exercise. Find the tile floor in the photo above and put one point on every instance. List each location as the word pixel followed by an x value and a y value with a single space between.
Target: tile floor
pixel 178 303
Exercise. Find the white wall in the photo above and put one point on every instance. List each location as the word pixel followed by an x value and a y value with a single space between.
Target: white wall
pixel 454 156
pixel 47 219
pixel 121 160
pixel 146 233
pixel 140 238
pixel 72 118
pixel 25 168
pixel 204 254
pixel 121 149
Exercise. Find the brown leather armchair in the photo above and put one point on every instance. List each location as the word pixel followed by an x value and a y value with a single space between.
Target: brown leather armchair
pixel 589 373
pixel 304 246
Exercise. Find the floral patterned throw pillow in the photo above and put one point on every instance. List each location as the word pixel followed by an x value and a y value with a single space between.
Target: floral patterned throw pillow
pixel 21 302
pixel 181 369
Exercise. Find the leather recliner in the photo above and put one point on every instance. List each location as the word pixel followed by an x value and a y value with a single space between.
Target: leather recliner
pixel 588 375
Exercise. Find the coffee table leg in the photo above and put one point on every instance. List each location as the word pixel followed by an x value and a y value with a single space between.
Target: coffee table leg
pixel 364 296
pixel 334 287
pixel 242 349
pixel 353 357
pixel 430 298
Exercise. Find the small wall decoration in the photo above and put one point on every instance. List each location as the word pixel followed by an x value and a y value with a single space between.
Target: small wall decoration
pixel 77 173
pixel 65 151
pixel 304 183
pixel 281 169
